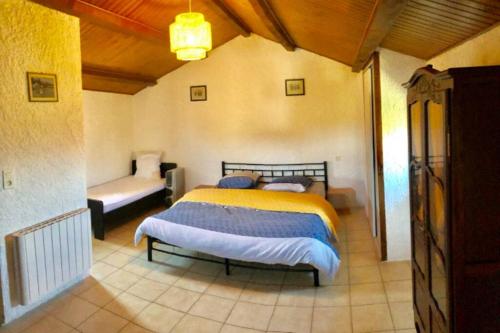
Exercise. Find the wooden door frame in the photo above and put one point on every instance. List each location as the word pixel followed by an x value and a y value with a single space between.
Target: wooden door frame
pixel 378 154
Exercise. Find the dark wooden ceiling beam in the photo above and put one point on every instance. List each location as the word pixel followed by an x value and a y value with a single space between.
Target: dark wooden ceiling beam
pixel 268 16
pixel 238 22
pixel 381 20
pixel 107 19
pixel 116 75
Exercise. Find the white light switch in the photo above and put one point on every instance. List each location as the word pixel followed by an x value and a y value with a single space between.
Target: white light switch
pixel 338 158
pixel 8 180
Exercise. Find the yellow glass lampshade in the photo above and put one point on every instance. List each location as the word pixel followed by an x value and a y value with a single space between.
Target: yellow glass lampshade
pixel 190 36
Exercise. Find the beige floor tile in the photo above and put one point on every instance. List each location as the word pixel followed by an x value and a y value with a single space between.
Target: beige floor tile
pixel 332 296
pixel 368 293
pixel 360 246
pixel 114 242
pixel 158 318
pixel 370 318
pixel 100 251
pixel 101 270
pixel 411 330
pixel 398 291
pixel 195 282
pixel 83 286
pixel 291 319
pixel 191 324
pixel 395 270
pixel 359 235
pixel 332 320
pixel 118 259
pixel 133 250
pixel 364 274
pixel 178 298
pixel 212 307
pixel 74 311
pixel 127 305
pixel 268 277
pixel 226 288
pixel 236 329
pixel 148 289
pixel 48 324
pixel 297 296
pixel 133 328
pixel 166 274
pixel 363 259
pixel 140 267
pixel 122 279
pixel 207 268
pixel 261 293
pixel 101 294
pixel 402 315
pixel 251 315
pixel 103 321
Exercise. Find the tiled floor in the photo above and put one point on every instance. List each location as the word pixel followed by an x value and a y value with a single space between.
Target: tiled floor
pixel 126 293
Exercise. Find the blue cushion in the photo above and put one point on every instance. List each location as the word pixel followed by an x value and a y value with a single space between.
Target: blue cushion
pixel 236 182
pixel 303 180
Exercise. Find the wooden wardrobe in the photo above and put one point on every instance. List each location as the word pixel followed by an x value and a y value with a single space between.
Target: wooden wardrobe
pixel 454 159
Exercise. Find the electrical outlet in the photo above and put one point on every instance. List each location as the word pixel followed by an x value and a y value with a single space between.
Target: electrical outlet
pixel 8 180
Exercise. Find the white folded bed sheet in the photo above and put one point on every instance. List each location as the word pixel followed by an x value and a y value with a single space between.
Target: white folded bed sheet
pixel 122 191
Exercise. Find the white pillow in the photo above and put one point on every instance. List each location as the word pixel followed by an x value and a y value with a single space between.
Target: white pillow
pixel 288 187
pixel 148 166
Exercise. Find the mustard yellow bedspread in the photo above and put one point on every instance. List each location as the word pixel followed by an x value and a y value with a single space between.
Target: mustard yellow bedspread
pixel 268 200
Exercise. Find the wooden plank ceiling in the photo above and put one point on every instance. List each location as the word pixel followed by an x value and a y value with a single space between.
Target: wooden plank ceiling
pixel 125 45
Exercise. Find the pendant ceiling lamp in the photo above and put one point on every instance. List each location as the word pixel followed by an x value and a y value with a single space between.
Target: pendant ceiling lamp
pixel 190 36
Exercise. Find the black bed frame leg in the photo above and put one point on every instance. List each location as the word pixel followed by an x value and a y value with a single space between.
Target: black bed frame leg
pixel 316 277
pixel 226 263
pixel 150 248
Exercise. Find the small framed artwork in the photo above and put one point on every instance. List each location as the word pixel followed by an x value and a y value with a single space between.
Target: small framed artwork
pixel 42 87
pixel 295 87
pixel 198 93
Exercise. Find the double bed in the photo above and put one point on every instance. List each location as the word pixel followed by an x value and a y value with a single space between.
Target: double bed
pixel 243 226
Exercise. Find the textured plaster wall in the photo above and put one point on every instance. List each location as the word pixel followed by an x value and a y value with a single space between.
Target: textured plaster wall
pixel 396 69
pixel 484 50
pixel 42 143
pixel 248 118
pixel 108 129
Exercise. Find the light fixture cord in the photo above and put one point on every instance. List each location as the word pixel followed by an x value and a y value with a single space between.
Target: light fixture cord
pixel 190 6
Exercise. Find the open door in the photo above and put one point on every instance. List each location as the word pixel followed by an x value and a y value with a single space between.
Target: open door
pixel 375 204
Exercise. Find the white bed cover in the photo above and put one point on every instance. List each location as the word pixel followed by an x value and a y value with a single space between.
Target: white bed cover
pixel 122 191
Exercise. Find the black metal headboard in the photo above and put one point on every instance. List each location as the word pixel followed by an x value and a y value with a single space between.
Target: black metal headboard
pixel 164 167
pixel 318 172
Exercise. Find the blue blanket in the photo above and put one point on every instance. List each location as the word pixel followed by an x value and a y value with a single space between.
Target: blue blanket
pixel 247 222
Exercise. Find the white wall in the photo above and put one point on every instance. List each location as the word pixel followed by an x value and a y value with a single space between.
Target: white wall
pixel 42 143
pixel 108 128
pixel 396 69
pixel 248 118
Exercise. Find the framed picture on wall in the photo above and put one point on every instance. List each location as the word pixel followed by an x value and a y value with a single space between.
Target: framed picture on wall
pixel 295 87
pixel 198 93
pixel 42 87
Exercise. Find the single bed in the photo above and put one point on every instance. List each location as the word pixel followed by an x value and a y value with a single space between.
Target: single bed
pixel 125 197
pixel 252 225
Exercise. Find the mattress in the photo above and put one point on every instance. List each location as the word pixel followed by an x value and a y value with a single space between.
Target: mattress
pixel 122 191
pixel 316 188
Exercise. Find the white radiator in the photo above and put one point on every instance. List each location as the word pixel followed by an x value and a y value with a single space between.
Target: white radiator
pixel 52 253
